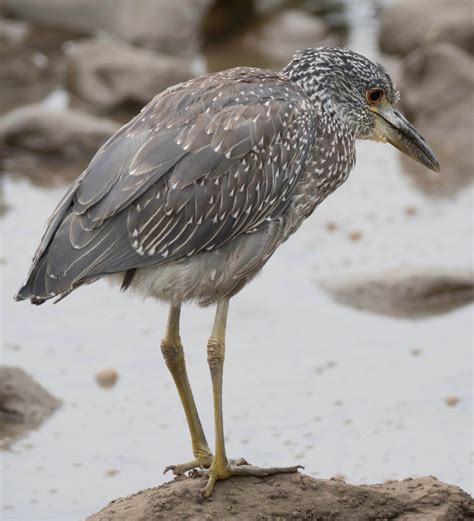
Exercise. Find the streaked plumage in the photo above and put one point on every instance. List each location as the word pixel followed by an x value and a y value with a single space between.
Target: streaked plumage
pixel 191 198
pixel 209 163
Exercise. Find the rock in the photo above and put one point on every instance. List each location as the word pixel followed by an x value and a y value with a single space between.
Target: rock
pixel 281 34
pixel 25 74
pixel 437 85
pixel 405 25
pixel 78 15
pixel 111 73
pixel 270 41
pixel 164 25
pixel 435 78
pixel 408 293
pixel 293 496
pixel 24 404
pixel 106 378
pixel 67 132
pixel 13 32
pixel 227 16
pixel 451 401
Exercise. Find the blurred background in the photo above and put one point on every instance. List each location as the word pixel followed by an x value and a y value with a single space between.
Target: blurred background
pixel 351 354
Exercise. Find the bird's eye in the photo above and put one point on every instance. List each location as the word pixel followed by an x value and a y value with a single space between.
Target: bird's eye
pixel 374 96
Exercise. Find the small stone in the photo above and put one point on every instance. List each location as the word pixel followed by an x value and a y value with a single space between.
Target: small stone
pixel 410 210
pixel 416 351
pixel 451 401
pixel 331 226
pixel 106 378
pixel 110 473
pixel 355 235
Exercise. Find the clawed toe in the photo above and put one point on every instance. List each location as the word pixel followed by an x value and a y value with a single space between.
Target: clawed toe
pixel 197 463
pixel 239 468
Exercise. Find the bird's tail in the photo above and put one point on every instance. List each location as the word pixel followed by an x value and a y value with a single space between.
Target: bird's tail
pixel 34 288
pixel 39 286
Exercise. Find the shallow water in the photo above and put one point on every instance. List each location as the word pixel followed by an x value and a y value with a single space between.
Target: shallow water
pixel 307 380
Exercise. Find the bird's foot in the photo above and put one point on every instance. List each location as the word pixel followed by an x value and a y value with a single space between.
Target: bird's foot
pixel 202 461
pixel 237 468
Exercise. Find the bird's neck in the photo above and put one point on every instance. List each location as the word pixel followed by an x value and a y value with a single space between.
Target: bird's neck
pixel 317 79
pixel 328 165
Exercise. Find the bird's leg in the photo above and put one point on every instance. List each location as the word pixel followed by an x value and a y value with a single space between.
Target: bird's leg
pixel 221 468
pixel 215 359
pixel 173 354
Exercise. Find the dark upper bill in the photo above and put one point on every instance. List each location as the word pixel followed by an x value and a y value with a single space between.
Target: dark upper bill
pixel 393 127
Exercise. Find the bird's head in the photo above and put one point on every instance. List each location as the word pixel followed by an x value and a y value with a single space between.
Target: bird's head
pixel 363 96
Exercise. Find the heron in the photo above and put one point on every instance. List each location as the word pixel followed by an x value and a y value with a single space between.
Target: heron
pixel 190 199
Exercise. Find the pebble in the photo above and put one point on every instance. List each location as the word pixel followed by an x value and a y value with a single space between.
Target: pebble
pixel 106 378
pixel 411 210
pixel 355 235
pixel 111 472
pixel 451 401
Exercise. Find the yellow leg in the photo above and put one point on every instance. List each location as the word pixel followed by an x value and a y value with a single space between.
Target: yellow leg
pixel 221 468
pixel 173 354
pixel 215 359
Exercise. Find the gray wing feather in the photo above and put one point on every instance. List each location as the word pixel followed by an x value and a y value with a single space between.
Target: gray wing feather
pixel 204 162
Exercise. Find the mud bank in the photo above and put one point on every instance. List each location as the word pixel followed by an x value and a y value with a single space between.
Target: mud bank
pixel 295 496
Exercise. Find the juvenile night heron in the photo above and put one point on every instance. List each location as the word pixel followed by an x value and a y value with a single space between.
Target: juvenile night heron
pixel 190 199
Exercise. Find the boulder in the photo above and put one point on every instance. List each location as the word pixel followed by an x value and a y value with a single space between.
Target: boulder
pixel 406 25
pixel 437 85
pixel 67 132
pixel 13 32
pixel 111 73
pixel 24 404
pixel 407 292
pixel 26 74
pixel 165 25
pixel 279 35
pixel 293 497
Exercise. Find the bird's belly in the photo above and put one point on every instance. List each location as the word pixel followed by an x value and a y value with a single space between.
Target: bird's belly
pixel 204 277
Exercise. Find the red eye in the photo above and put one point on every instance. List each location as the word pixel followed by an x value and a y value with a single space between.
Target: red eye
pixel 374 96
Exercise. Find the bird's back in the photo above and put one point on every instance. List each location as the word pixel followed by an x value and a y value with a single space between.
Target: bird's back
pixel 203 163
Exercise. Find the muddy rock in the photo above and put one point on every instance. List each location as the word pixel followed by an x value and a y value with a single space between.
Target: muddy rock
pixel 26 74
pixel 110 73
pixel 164 25
pixel 408 293
pixel 78 15
pixel 406 25
pixel 24 404
pixel 13 32
pixel 227 16
pixel 278 36
pixel 293 496
pixel 435 78
pixel 437 85
pixel 66 132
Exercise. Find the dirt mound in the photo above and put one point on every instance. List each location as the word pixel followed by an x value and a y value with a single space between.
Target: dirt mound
pixel 295 497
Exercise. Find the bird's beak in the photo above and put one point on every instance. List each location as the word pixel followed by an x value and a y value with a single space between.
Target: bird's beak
pixel 392 126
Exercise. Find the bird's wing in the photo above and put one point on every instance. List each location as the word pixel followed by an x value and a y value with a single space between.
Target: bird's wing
pixel 204 162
